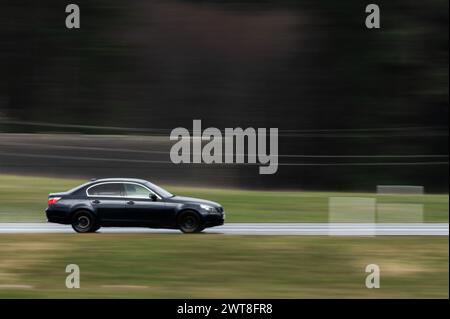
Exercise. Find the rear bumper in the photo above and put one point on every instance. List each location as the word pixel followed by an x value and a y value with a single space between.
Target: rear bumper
pixel 56 216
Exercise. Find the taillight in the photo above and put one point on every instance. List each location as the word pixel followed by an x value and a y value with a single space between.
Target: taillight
pixel 53 200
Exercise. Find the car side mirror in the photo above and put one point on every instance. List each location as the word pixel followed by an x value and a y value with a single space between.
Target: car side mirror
pixel 153 197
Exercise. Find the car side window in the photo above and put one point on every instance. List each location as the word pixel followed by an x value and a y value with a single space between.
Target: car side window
pixel 136 191
pixel 109 189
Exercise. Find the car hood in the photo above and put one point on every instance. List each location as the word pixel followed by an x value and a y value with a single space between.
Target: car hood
pixel 192 200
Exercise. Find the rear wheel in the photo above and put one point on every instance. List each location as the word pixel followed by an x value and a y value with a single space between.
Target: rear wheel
pixel 84 222
pixel 190 222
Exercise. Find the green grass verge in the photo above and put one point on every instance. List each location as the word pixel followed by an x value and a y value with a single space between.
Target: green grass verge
pixel 219 266
pixel 24 198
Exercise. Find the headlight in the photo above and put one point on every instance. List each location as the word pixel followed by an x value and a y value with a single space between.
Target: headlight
pixel 208 208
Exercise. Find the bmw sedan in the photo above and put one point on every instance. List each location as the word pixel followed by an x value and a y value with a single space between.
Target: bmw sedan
pixel 121 202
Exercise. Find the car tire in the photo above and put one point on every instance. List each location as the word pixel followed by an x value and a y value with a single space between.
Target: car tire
pixel 84 222
pixel 190 222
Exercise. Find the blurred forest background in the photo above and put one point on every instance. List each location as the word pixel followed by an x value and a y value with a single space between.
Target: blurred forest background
pixel 355 107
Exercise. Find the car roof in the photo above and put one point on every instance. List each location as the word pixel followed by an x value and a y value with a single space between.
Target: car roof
pixel 120 179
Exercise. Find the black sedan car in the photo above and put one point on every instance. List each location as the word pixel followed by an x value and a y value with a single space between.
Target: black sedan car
pixel 133 203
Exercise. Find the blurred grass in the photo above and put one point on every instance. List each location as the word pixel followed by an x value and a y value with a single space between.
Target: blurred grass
pixel 219 266
pixel 24 198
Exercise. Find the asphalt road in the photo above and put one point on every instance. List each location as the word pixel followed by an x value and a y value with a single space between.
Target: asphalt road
pixel 293 229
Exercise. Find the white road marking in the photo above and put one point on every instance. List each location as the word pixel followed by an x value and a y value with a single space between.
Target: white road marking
pixel 291 229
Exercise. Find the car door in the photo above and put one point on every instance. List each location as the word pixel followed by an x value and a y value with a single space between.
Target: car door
pixel 143 209
pixel 109 201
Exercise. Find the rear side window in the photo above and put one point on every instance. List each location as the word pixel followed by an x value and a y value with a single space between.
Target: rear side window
pixel 110 189
pixel 136 191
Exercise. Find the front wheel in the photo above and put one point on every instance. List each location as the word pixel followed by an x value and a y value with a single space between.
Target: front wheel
pixel 190 222
pixel 84 222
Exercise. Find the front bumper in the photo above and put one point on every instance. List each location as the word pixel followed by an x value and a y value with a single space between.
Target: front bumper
pixel 212 220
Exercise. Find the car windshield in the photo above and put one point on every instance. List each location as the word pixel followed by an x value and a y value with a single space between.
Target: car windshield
pixel 159 190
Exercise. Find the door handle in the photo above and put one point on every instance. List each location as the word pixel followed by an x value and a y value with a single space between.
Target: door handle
pixel 130 202
pixel 95 201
